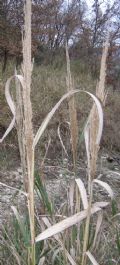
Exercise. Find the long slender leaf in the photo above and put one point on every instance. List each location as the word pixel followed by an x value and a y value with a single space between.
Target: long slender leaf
pixel 68 222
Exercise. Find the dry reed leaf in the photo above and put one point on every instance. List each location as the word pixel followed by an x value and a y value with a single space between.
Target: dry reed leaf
pixel 11 246
pixel 49 117
pixel 61 141
pixel 11 103
pixel 52 112
pixel 101 92
pixel 93 118
pixel 20 123
pixel 12 108
pixel 71 195
pixel 68 222
pixel 41 261
pixel 114 172
pixel 20 191
pixel 72 110
pixel 92 147
pixel 105 186
pixel 56 252
pixel 101 204
pixel 98 225
pixel 92 259
pixel 16 255
pixel 83 192
pixel 18 218
pixel 116 215
pixel 48 224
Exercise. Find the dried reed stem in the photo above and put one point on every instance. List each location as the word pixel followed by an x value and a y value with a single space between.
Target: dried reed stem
pixel 27 123
pixel 93 146
pixel 20 128
pixel 72 111
pixel 101 94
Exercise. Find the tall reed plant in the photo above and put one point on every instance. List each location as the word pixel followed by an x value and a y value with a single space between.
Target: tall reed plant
pixel 72 250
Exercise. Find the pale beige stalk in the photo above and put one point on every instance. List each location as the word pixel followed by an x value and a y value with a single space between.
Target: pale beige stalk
pixel 20 129
pixel 93 145
pixel 28 128
pixel 101 94
pixel 72 111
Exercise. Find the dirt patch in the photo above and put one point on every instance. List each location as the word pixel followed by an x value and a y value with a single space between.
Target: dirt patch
pixel 57 180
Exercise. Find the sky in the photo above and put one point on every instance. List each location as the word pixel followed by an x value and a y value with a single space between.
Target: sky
pixel 90 2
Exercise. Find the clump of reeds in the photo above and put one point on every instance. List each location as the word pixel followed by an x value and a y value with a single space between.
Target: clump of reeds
pixel 73 250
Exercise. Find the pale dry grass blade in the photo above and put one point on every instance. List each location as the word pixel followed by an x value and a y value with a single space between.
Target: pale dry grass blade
pixel 100 119
pixel 11 247
pixel 41 261
pixel 92 259
pixel 68 222
pixel 98 225
pixel 72 110
pixel 101 92
pixel 93 118
pixel 46 152
pixel 71 195
pixel 101 204
pixel 54 109
pixel 116 215
pixel 11 103
pixel 92 141
pixel 20 123
pixel 16 255
pixel 105 186
pixel 11 106
pixel 18 218
pixel 56 253
pixel 20 191
pixel 114 172
pixel 46 221
pixel 49 117
pixel 83 192
pixel 61 141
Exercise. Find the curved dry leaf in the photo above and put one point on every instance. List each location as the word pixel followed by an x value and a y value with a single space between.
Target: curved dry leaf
pixel 92 259
pixel 52 112
pixel 11 103
pixel 100 115
pixel 8 129
pixel 12 108
pixel 8 96
pixel 105 186
pixel 83 192
pixel 48 224
pixel 68 222
pixel 116 215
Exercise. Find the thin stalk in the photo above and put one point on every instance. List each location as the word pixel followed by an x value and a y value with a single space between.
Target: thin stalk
pixel 86 234
pixel 28 127
pixel 72 112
